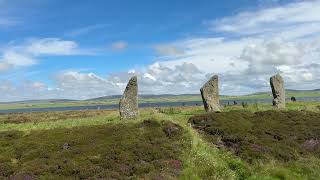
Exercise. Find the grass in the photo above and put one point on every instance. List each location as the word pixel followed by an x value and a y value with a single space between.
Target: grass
pixel 97 144
pixel 293 106
pixel 181 98
pixel 266 95
pixel 37 117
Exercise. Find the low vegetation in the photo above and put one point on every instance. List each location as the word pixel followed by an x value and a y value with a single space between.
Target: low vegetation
pixel 242 142
pixel 284 136
pixel 149 149
pixel 37 117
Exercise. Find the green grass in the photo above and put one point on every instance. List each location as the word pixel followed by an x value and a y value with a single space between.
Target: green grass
pixel 101 145
pixel 296 106
pixel 181 98
pixel 266 95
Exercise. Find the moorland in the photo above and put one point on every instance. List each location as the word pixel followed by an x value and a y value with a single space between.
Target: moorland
pixel 253 141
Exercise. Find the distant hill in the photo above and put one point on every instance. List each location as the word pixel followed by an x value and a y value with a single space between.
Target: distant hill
pixel 290 92
pixel 293 90
pixel 152 96
pixel 40 101
pixel 146 96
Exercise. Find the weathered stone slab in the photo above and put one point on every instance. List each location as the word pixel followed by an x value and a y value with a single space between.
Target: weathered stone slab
pixel 278 91
pixel 210 95
pixel 128 105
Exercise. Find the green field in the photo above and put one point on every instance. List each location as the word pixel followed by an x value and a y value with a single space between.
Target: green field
pixel 177 98
pixel 163 143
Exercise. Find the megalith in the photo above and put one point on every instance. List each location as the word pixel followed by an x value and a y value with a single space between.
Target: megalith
pixel 278 91
pixel 210 95
pixel 128 105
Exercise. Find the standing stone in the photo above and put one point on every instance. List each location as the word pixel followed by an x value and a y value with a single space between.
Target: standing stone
pixel 128 105
pixel 210 95
pixel 278 91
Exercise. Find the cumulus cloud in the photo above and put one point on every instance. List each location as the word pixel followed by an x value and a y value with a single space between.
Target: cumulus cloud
pixel 269 54
pixel 211 54
pixel 283 39
pixel 78 85
pixel 254 46
pixel 156 79
pixel 245 65
pixel 274 52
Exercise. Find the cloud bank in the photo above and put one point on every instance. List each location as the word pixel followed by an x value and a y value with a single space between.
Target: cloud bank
pixel 254 46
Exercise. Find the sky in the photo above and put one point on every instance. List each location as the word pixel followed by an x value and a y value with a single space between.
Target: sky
pixel 77 49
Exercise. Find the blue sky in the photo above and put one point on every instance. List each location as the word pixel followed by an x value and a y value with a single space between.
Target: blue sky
pixel 84 49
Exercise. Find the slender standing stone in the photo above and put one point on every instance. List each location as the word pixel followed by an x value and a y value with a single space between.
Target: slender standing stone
pixel 210 95
pixel 278 91
pixel 128 105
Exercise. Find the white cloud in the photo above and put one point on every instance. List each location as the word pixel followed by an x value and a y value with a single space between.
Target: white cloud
pixel 156 79
pixel 254 46
pixel 17 59
pixel 78 85
pixel 119 45
pixel 27 53
pixel 273 20
pixel 211 54
pixel 11 59
pixel 264 57
pixel 246 64
pixel 52 46
pixel 168 50
pixel 266 41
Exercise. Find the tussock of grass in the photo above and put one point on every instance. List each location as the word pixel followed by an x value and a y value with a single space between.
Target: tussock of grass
pixel 291 106
pixel 281 135
pixel 134 150
pixel 273 144
pixel 203 160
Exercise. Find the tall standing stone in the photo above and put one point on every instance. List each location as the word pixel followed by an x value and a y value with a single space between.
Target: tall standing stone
pixel 210 95
pixel 278 91
pixel 128 105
